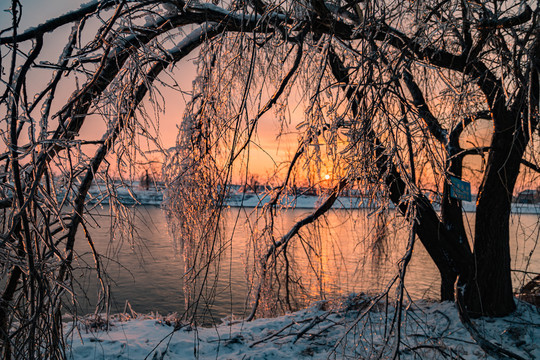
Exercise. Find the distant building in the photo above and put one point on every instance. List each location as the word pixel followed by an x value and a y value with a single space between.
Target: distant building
pixel 528 196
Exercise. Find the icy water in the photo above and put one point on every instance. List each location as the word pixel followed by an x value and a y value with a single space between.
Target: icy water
pixel 348 253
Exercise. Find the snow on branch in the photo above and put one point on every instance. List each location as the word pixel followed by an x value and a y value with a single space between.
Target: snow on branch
pixel 67 18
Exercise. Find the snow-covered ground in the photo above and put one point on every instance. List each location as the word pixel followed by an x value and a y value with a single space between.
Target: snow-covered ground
pixel 298 202
pixel 348 202
pixel 341 329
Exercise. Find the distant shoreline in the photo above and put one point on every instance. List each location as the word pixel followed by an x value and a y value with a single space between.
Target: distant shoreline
pixel 155 197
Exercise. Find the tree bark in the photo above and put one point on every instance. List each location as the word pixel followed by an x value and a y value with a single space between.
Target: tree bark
pixel 489 290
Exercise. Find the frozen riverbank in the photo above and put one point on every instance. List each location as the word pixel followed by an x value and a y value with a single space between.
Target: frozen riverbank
pixel 349 202
pixel 326 330
pixel 155 197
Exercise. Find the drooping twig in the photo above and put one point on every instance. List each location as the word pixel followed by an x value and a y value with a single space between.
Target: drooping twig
pixel 273 249
pixel 486 345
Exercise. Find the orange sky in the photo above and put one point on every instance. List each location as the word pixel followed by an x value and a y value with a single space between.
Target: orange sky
pixel 262 162
pixel 38 11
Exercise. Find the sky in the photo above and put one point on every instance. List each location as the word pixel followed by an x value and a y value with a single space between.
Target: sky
pixel 35 12
pixel 38 11
pixel 262 163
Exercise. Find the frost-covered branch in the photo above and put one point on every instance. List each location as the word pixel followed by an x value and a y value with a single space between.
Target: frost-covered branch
pixel 274 249
pixel 70 17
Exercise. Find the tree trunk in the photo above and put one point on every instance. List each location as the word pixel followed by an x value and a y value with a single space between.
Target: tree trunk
pixel 451 257
pixel 452 218
pixel 489 289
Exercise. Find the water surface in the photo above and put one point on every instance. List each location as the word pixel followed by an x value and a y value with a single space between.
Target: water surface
pixel 346 252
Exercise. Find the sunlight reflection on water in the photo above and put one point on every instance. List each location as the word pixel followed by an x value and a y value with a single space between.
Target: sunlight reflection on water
pixel 345 257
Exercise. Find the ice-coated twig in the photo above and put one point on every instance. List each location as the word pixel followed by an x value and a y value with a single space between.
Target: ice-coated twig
pixel 321 210
pixel 486 345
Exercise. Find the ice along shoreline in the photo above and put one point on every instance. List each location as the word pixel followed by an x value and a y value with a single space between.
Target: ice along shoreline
pixel 156 196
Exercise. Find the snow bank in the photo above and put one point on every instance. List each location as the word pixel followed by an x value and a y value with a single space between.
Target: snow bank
pixel 136 195
pixel 155 197
pixel 297 202
pixel 429 330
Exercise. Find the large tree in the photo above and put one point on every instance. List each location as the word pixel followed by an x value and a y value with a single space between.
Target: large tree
pixel 399 83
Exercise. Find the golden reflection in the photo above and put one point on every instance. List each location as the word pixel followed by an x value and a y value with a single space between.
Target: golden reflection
pixel 345 252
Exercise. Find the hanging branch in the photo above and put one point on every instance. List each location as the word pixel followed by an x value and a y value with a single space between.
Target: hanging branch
pixel 274 249
pixel 424 112
pixel 272 101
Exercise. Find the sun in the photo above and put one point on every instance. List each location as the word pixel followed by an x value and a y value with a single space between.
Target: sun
pixel 327 177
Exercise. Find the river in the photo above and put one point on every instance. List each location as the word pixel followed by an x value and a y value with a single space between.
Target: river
pixel 144 266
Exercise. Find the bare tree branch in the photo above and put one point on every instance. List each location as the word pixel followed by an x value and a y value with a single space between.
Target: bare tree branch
pixel 273 251
pixel 424 112
pixel 530 165
pixel 70 17
pixel 507 22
